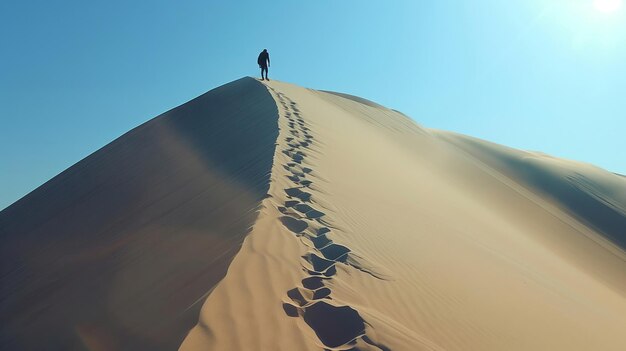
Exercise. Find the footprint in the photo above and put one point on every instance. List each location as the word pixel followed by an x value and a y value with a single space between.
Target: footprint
pixel 293 224
pixel 320 241
pixel 335 252
pixel 334 326
pixel 296 296
pixel 313 283
pixel 323 230
pixel 319 264
pixel 332 270
pixel 304 208
pixel 290 310
pixel 315 214
pixel 297 193
pixel 321 293
pixel 291 203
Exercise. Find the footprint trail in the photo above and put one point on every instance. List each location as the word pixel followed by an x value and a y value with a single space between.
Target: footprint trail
pixel 338 327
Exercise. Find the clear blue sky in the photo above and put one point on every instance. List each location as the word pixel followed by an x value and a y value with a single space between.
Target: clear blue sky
pixel 547 75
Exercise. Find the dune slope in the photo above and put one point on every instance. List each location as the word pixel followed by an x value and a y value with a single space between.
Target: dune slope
pixel 383 235
pixel 119 251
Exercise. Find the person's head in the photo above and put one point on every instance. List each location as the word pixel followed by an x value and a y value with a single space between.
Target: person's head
pixel 264 50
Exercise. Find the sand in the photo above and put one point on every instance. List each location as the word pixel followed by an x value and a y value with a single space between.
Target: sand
pixel 359 230
pixel 119 251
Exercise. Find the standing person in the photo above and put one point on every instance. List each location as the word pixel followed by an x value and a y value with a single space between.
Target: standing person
pixel 264 63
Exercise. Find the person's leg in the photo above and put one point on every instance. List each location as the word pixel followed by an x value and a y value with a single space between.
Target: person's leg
pixel 262 68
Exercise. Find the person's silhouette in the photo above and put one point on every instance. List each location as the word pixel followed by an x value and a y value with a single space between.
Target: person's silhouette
pixel 264 63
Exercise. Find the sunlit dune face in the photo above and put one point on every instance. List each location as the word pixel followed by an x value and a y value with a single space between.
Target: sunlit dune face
pixel 608 6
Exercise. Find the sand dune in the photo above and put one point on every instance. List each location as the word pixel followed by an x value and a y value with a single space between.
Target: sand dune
pixel 120 250
pixel 308 220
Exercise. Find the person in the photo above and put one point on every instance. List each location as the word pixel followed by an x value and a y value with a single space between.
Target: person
pixel 264 63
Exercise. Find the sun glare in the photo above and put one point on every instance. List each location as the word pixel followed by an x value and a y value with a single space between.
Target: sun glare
pixel 608 6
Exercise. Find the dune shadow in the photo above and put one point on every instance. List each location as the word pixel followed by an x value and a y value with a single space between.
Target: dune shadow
pixel 122 247
pixel 577 193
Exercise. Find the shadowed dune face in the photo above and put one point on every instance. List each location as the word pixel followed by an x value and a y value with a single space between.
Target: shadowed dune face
pixel 593 196
pixel 123 247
